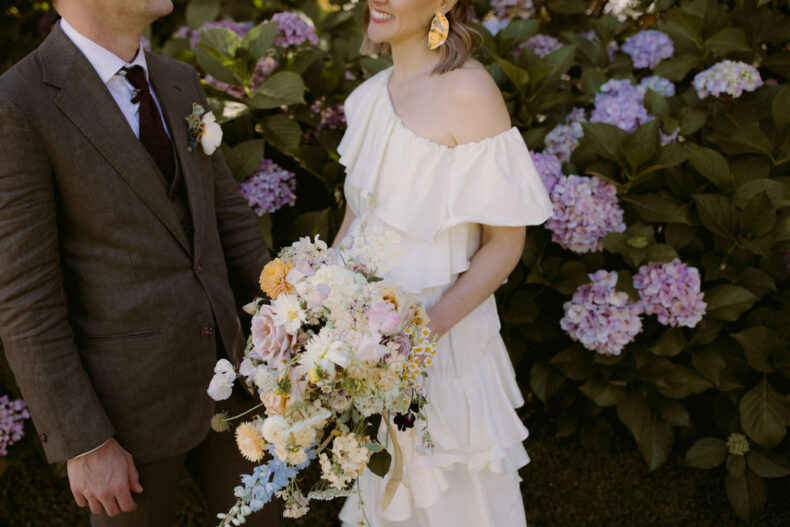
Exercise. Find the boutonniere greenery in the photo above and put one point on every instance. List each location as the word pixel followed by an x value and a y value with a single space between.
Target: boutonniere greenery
pixel 203 130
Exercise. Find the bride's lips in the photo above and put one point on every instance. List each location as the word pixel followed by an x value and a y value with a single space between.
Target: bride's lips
pixel 378 16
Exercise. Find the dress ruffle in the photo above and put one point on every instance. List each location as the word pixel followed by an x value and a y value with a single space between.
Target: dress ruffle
pixel 449 191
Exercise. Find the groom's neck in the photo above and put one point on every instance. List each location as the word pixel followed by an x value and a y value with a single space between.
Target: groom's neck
pixel 110 28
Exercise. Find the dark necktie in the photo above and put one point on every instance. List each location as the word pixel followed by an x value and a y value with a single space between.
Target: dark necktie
pixel 152 131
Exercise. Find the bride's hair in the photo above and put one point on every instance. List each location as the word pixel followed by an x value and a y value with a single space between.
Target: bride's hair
pixel 453 53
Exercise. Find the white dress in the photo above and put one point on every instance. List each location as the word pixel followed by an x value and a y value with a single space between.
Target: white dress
pixel 436 197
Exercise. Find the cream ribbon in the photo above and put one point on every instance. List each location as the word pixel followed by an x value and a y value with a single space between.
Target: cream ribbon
pixel 397 469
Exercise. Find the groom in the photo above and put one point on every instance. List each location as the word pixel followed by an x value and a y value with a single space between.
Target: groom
pixel 120 253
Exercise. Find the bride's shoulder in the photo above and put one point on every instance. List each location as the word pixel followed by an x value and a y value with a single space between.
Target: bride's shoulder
pixel 474 104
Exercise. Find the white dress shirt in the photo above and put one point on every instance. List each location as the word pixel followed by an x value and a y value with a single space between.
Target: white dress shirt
pixel 107 65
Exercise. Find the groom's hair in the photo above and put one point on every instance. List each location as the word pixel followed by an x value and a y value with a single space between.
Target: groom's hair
pixel 461 41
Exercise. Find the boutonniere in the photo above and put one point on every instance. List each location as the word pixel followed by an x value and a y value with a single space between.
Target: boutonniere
pixel 203 130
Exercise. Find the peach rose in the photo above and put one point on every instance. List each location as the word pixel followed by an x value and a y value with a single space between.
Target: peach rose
pixel 275 404
pixel 273 278
pixel 270 342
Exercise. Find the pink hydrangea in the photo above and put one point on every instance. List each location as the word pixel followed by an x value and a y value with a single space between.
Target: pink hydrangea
pixel 585 210
pixel 671 292
pixel 293 30
pixel 541 45
pixel 549 167
pixel 12 422
pixel 332 117
pixel 563 139
pixel 601 318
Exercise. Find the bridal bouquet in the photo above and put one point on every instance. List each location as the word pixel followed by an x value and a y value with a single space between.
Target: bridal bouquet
pixel 332 354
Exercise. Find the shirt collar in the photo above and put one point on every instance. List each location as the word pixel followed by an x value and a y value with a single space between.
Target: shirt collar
pixel 105 62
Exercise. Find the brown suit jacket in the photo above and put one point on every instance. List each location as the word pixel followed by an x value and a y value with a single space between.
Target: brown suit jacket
pixel 108 313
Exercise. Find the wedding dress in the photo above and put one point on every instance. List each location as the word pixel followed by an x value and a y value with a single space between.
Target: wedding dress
pixel 435 198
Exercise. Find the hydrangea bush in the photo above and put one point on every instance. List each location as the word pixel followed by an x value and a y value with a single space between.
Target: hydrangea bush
pixel 655 302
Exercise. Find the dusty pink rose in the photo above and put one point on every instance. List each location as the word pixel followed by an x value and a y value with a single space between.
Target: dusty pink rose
pixel 383 318
pixel 271 343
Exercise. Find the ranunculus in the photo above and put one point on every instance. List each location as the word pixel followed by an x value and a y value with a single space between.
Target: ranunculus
pixel 273 278
pixel 211 137
pixel 271 343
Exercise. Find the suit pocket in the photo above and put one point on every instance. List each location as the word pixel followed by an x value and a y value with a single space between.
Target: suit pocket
pixel 120 336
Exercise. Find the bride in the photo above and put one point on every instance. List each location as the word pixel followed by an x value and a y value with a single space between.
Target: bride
pixel 431 157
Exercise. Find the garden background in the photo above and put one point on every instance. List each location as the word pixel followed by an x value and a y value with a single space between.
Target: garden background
pixel 667 404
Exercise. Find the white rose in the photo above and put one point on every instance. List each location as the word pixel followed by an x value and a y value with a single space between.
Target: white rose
pixel 296 458
pixel 339 353
pixel 275 429
pixel 303 434
pixel 220 387
pixel 211 137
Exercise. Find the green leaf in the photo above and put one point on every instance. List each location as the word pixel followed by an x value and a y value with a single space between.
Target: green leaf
pixel 260 39
pixel 710 363
pixel 691 120
pixel 282 132
pixel 776 192
pixel 727 302
pixel 675 413
pixel 707 453
pixel 220 39
pixel 747 495
pixel 656 104
pixel 544 381
pixel 653 435
pixel 677 68
pixel 567 7
pixel 380 462
pixel 214 67
pixel 574 363
pixel 281 89
pixel 245 157
pixel 730 40
pixel 759 216
pixel 757 281
pixel 602 393
pixel 740 134
pixel 780 109
pixel 560 61
pixel 642 144
pixel 201 11
pixel 767 464
pixel 682 381
pixel 765 414
pixel 712 165
pixel 670 343
pixel 718 214
pixel 605 139
pixel 761 345
pixel 659 208
pixel 517 75
pixel 736 465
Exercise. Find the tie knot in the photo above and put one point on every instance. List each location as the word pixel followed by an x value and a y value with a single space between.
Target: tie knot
pixel 136 77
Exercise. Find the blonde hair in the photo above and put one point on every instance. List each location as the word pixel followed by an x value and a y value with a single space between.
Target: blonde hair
pixel 453 53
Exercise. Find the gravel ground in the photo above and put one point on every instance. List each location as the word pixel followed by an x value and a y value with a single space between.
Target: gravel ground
pixel 563 486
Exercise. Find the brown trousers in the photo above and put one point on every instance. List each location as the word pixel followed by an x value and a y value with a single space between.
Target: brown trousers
pixel 216 467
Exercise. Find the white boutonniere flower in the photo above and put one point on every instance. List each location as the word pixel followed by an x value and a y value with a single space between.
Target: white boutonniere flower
pixel 203 130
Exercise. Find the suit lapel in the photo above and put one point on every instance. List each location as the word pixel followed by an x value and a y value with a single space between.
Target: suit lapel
pixel 87 103
pixel 176 105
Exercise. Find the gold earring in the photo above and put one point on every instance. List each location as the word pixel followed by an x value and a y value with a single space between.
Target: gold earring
pixel 440 29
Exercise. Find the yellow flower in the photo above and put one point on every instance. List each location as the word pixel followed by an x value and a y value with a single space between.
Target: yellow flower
pixel 273 278
pixel 313 376
pixel 250 442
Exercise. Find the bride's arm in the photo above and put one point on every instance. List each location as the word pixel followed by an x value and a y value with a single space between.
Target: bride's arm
pixel 347 219
pixel 490 266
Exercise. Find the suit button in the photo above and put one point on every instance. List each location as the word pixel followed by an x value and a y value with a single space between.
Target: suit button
pixel 206 332
pixel 198 269
pixel 43 437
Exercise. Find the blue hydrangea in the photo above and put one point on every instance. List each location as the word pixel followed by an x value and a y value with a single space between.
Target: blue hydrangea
pixel 660 85
pixel 727 77
pixel 648 48
pixel 621 103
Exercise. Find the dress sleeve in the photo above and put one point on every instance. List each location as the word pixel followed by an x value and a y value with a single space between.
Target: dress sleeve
pixel 495 182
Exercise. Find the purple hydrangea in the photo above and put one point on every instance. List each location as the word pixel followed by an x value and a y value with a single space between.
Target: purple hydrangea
pixel 269 188
pixel 585 210
pixel 660 85
pixel 240 28
pixel 263 69
pixel 611 48
pixel 649 47
pixel 541 45
pixel 669 138
pixel 563 139
pixel 671 292
pixel 293 29
pixel 12 422
pixel 727 77
pixel 601 318
pixel 549 167
pixel 621 103
pixel 504 11
pixel 332 117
